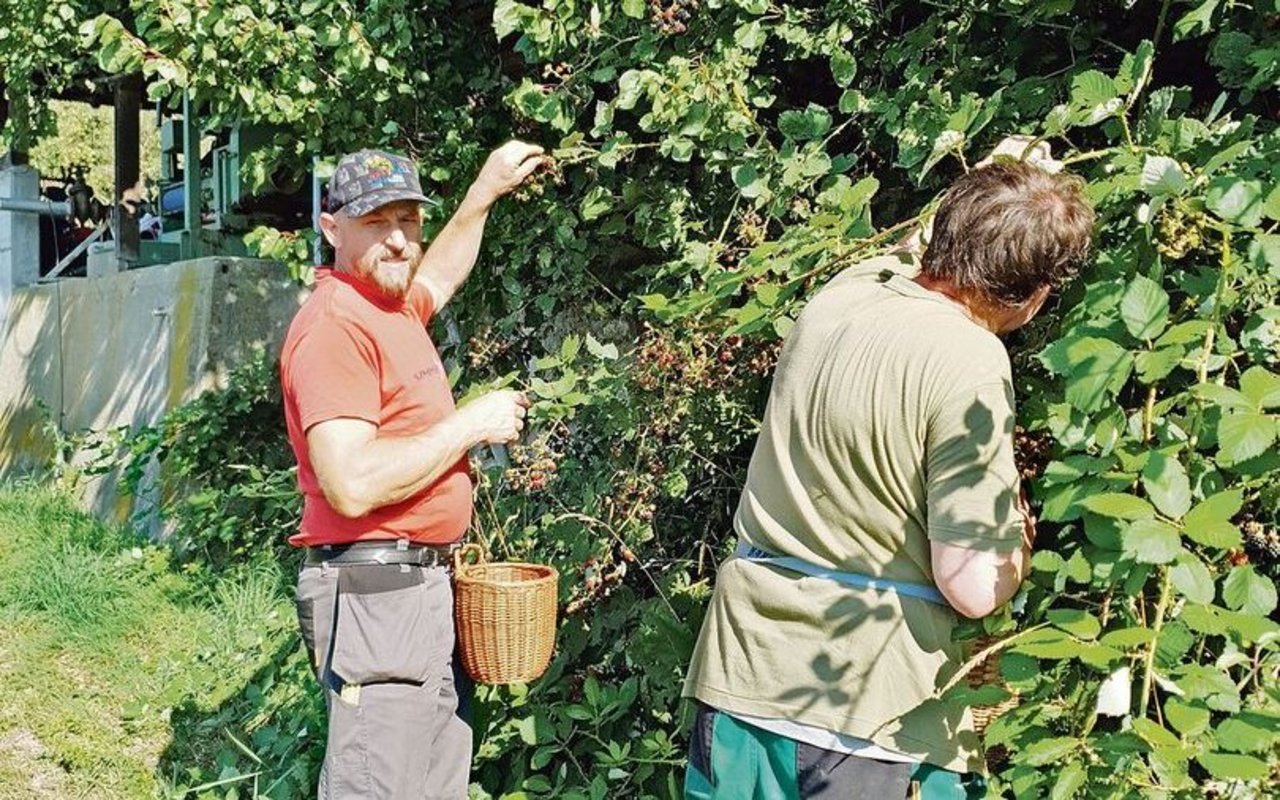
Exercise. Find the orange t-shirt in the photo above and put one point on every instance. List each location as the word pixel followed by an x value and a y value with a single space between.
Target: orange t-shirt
pixel 352 353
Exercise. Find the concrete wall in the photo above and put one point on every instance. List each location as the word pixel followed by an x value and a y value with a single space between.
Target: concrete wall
pixel 122 349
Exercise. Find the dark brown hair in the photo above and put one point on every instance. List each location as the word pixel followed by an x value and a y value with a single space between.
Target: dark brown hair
pixel 1007 229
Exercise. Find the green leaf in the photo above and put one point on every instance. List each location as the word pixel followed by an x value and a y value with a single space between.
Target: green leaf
pixel 1049 644
pixel 1155 365
pixel 1078 568
pixel 1099 655
pixel 508 16
pixel 843 68
pixel 596 203
pixel 634 8
pixel 1196 22
pixel 1150 541
pixel 1095 369
pixel 1153 733
pixel 1192 579
pixel 1204 619
pixel 1261 386
pixel 1248 732
pixel 1069 781
pixel 1224 396
pixel 1170 765
pixel 1184 333
pixel 1174 642
pixel 570 347
pixel 1165 481
pixel 811 123
pixel 677 148
pixel 1047 751
pixel 1245 590
pixel 1231 766
pixel 1187 718
pixel 1235 200
pixel 534 729
pixel 767 294
pixel 747 178
pixel 1126 638
pixel 1119 506
pixel 1093 98
pixel 1243 436
pixel 1210 684
pixel 1271 206
pixel 1018 667
pixel 602 351
pixel 851 101
pixel 1076 622
pixel 1209 523
pixel 1145 308
pixel 1162 175
pixel 1226 156
pixel 1135 70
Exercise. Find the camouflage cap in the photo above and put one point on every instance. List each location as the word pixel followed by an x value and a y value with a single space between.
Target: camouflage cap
pixel 368 179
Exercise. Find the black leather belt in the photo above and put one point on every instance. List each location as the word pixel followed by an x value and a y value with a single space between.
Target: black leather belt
pixel 383 551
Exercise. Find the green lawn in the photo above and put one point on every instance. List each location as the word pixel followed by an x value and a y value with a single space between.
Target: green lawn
pixel 128 675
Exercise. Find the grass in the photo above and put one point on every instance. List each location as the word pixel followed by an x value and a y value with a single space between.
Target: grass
pixel 126 675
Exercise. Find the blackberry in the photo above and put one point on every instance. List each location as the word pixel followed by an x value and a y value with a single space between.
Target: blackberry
pixel 1032 451
pixel 536 184
pixel 1262 544
pixel 671 17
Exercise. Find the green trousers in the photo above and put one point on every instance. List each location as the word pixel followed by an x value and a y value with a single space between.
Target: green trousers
pixel 732 760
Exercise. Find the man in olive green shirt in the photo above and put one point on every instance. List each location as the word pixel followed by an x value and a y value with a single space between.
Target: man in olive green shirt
pixel 881 501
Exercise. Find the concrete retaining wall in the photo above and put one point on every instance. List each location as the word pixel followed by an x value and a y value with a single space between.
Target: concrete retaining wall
pixel 122 349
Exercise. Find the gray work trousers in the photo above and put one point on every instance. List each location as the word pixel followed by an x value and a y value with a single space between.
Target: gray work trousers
pixel 381 641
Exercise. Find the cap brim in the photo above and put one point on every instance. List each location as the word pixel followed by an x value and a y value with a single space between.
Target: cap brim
pixel 374 200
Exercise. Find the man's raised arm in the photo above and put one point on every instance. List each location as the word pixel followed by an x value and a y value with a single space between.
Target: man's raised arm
pixel 452 254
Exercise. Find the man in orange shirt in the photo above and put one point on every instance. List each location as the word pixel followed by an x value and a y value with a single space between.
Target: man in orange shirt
pixel 382 465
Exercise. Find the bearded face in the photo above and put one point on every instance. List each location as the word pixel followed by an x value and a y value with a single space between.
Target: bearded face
pixel 392 272
pixel 382 248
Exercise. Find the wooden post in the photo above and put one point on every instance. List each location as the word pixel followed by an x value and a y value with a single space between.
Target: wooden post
pixel 124 216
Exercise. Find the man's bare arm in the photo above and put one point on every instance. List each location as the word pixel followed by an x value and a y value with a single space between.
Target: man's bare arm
pixel 360 471
pixel 452 254
pixel 977 582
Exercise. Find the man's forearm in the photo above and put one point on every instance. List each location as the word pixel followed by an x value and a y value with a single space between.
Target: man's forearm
pixel 452 254
pixel 395 468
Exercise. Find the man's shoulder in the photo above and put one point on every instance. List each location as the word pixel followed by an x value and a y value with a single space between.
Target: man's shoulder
pixel 331 301
pixel 332 307
pixel 876 269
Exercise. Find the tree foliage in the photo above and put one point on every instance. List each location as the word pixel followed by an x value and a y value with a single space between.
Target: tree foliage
pixel 716 162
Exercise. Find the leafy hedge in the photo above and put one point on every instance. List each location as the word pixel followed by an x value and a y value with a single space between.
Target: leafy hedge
pixel 716 162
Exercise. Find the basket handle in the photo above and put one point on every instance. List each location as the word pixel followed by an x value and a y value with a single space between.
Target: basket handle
pixel 469 555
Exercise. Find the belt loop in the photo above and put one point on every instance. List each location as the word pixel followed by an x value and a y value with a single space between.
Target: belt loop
pixel 402 544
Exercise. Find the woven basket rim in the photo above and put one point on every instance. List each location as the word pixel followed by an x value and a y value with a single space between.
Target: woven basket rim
pixel 548 574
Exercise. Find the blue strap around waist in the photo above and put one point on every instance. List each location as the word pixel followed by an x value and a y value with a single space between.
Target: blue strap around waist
pixel 852 579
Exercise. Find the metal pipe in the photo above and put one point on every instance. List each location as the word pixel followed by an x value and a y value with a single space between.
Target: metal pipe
pixel 74 254
pixel 49 208
pixel 192 197
pixel 317 250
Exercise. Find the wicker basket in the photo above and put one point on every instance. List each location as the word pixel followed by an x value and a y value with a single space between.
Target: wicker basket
pixel 987 673
pixel 505 615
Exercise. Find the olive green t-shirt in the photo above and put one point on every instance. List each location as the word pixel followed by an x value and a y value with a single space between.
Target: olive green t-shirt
pixel 889 424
